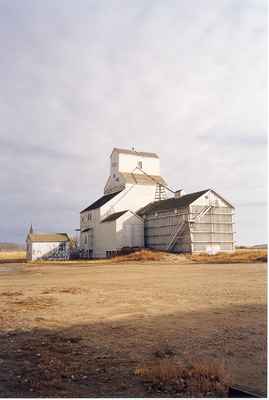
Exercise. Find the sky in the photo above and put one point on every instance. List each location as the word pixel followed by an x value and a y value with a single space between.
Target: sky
pixel 186 79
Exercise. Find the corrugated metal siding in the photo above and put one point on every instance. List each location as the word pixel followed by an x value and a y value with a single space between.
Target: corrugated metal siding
pixel 213 230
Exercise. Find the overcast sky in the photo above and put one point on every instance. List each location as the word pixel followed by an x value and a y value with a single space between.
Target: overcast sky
pixel 185 79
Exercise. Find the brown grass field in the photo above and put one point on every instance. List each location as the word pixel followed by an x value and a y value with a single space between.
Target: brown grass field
pixel 129 329
pixel 12 255
pixel 239 256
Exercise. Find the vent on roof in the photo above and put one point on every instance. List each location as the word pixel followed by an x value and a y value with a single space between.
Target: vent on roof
pixel 179 193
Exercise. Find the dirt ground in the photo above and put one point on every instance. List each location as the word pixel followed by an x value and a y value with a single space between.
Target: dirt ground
pixel 81 331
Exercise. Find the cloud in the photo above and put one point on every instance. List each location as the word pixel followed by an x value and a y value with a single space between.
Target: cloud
pixel 186 79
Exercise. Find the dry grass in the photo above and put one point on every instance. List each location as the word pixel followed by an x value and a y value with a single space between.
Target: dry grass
pixel 152 255
pixel 11 294
pixel 198 379
pixel 12 255
pixel 239 256
pixel 141 255
pixel 33 303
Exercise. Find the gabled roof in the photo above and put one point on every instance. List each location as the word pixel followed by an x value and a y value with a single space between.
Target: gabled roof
pixel 136 153
pixel 171 203
pixel 100 202
pixel 48 237
pixel 142 179
pixel 113 217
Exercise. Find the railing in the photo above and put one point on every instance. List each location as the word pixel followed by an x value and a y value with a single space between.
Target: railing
pixel 181 225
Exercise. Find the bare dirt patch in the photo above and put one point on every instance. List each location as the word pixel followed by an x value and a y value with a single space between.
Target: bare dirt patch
pixel 83 331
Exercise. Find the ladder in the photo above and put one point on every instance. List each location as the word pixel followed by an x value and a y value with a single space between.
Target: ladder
pixel 179 229
pixel 160 193
pixel 182 225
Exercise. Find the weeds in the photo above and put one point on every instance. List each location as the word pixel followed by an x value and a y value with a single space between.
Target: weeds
pixel 199 379
pixel 239 256
pixel 142 255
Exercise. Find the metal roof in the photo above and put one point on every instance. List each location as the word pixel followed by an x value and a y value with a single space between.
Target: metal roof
pixel 171 203
pixel 113 217
pixel 48 237
pixel 142 179
pixel 136 153
pixel 100 202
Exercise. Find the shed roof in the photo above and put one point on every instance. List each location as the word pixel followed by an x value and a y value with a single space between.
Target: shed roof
pixel 142 179
pixel 100 202
pixel 114 216
pixel 136 153
pixel 48 237
pixel 171 203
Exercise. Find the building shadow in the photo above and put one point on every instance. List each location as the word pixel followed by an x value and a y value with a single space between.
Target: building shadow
pixel 99 359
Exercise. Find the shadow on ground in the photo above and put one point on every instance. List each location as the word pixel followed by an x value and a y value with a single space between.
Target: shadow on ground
pixel 98 360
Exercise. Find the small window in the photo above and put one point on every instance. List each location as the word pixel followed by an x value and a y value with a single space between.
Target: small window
pixel 140 164
pixel 89 217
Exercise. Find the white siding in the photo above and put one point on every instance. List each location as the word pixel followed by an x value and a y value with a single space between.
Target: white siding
pixel 126 231
pixel 130 231
pixel 122 162
pixel 105 239
pixel 43 250
pixel 129 162
pixel 133 197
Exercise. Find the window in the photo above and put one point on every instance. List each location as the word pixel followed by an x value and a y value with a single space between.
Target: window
pixel 139 164
pixel 89 217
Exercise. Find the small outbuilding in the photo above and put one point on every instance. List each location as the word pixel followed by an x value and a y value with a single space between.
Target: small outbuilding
pixel 47 246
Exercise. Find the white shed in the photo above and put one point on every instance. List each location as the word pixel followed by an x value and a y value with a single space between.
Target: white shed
pixel 47 246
